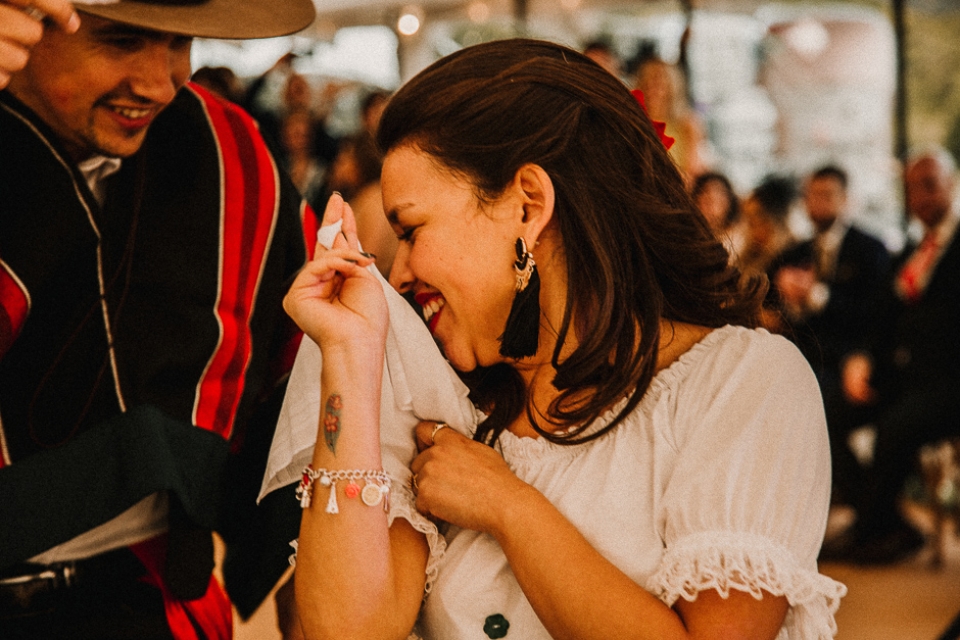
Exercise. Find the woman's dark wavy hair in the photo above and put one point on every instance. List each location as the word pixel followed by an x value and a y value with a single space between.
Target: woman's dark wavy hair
pixel 636 248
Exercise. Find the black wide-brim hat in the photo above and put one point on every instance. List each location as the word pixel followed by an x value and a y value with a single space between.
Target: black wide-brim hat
pixel 223 19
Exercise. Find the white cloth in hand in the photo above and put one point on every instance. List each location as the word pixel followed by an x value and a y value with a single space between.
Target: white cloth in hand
pixel 418 384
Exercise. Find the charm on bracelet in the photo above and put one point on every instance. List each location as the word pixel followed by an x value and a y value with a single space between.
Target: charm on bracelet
pixel 372 494
pixel 376 488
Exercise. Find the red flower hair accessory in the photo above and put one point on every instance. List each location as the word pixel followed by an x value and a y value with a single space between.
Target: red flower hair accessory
pixel 661 127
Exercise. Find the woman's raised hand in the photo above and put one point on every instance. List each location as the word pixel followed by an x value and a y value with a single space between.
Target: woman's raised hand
pixel 335 300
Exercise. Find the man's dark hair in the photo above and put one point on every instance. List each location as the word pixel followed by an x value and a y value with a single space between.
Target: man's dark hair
pixel 372 99
pixel 776 194
pixel 599 45
pixel 831 171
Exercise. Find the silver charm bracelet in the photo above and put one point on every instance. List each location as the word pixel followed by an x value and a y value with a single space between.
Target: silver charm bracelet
pixel 376 486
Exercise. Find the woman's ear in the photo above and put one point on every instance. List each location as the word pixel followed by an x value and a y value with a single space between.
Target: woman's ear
pixel 537 194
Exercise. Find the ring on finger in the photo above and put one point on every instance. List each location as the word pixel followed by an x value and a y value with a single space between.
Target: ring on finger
pixel 413 483
pixel 433 434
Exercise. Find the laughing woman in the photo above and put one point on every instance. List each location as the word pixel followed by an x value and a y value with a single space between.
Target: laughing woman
pixel 652 465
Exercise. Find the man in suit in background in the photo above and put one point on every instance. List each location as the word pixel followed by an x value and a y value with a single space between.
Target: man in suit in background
pixel 829 289
pixel 908 378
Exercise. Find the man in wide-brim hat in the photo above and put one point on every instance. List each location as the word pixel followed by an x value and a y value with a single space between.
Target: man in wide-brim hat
pixel 146 241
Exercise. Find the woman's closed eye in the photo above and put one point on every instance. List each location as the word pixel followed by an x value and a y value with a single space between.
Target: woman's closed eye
pixel 407 234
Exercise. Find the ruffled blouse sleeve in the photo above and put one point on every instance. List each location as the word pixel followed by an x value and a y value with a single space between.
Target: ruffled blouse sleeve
pixel 745 503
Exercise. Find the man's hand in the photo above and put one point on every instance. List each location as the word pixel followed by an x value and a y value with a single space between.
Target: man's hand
pixel 21 27
pixel 794 285
pixel 856 372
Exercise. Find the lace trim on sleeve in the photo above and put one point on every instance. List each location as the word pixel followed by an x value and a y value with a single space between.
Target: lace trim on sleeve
pixel 402 506
pixel 749 563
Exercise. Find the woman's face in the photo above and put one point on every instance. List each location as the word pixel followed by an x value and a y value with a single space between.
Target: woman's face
pixel 344 173
pixel 297 133
pixel 654 80
pixel 714 202
pixel 455 254
pixel 759 227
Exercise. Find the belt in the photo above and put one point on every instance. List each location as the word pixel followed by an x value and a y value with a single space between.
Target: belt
pixel 30 589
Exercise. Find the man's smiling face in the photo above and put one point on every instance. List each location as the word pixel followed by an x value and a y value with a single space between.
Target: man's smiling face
pixel 100 88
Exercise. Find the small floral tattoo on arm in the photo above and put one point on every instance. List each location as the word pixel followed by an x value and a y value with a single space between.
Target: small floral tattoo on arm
pixel 331 421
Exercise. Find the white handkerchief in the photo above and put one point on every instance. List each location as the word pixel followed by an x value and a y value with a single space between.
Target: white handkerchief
pixel 418 384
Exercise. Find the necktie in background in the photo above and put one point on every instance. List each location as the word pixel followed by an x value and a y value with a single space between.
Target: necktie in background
pixel 822 259
pixel 913 276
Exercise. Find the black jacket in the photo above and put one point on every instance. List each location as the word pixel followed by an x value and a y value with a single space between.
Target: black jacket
pixel 915 343
pixel 141 341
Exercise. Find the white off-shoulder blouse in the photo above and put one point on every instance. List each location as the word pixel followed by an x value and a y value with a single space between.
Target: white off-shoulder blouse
pixel 719 479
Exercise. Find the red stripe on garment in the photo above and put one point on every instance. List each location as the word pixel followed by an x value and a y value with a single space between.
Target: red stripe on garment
pixel 212 613
pixel 282 365
pixel 310 224
pixel 14 306
pixel 249 209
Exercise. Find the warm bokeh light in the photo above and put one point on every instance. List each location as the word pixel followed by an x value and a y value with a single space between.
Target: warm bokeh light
pixel 808 37
pixel 408 24
pixel 478 11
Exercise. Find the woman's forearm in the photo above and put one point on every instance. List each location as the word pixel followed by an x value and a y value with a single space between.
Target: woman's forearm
pixel 355 577
pixel 577 593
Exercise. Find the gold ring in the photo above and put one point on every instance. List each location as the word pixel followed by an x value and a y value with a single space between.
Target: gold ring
pixel 433 434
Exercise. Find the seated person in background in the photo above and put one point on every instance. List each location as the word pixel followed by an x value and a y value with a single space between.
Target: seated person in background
pixel 718 202
pixel 221 81
pixel 355 174
pixel 651 464
pixel 765 214
pixel 666 101
pixel 906 383
pixel 829 288
pixel 299 159
pixel 604 55
pixel 269 105
pixel 299 96
pixel 371 108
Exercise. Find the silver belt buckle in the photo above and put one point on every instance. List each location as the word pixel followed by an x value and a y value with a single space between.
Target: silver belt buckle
pixel 67 571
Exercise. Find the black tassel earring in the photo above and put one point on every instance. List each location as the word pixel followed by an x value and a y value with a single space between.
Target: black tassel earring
pixel 521 335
